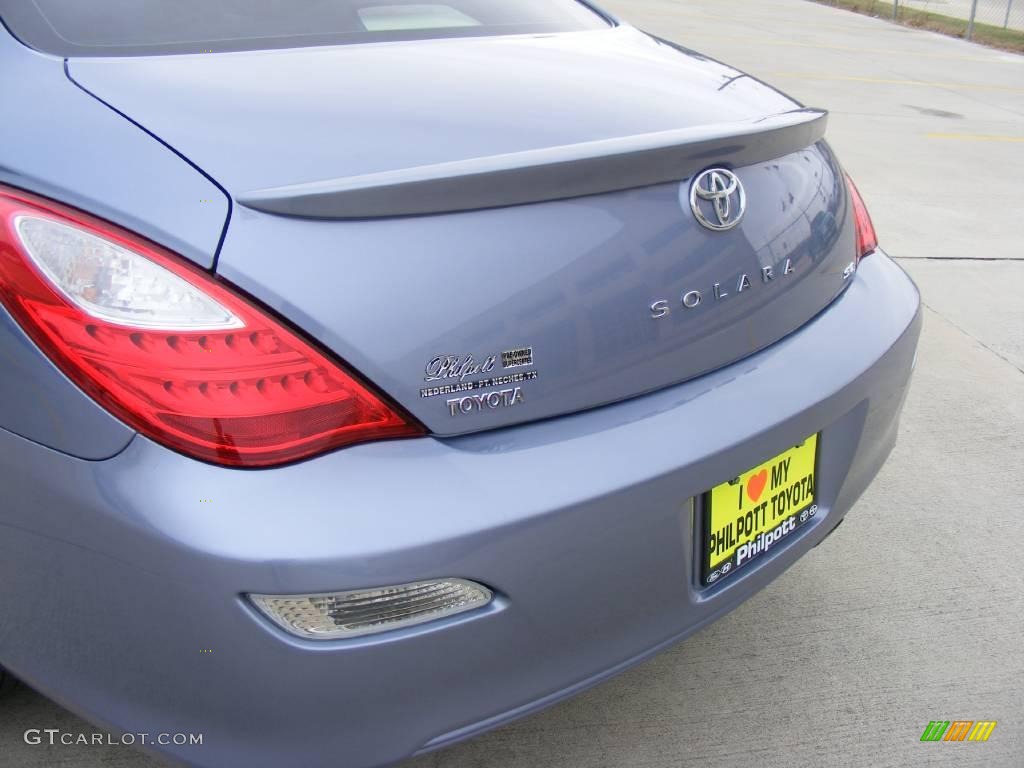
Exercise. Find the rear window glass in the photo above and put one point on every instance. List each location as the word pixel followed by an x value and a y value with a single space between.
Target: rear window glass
pixel 144 27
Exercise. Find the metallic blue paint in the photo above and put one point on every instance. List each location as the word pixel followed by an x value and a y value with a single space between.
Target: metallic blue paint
pixel 295 116
pixel 574 279
pixel 39 403
pixel 113 575
pixel 60 142
pixel 552 173
pixel 593 554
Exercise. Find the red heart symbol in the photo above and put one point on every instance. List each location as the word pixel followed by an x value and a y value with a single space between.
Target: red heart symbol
pixel 756 483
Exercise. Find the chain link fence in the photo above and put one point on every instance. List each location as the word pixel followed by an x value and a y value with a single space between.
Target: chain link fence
pixel 1008 14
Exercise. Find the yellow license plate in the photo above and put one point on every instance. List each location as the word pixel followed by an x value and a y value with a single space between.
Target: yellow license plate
pixel 752 513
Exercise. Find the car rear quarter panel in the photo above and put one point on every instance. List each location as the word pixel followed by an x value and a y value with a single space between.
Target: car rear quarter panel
pixel 60 142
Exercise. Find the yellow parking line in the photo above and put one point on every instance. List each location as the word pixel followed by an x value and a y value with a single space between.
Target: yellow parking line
pixel 972 137
pixel 886 81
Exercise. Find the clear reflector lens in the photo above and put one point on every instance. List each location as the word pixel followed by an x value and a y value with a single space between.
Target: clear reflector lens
pixel 111 283
pixel 339 615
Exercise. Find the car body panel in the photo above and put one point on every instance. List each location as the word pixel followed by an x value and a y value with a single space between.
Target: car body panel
pixel 572 280
pixel 58 141
pixel 582 507
pixel 39 403
pixel 552 173
pixel 584 525
pixel 308 114
pixel 78 150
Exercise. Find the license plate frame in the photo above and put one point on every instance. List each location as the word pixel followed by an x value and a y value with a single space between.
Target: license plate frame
pixel 772 504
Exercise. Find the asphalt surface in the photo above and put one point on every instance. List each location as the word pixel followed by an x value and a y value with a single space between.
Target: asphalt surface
pixel 913 610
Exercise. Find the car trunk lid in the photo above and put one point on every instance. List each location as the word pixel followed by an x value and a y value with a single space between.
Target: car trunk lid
pixel 495 231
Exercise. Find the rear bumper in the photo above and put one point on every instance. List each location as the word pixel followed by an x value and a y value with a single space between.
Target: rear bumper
pixel 114 575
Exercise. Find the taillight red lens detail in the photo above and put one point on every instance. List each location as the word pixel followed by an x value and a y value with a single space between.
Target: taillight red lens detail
pixel 867 240
pixel 172 351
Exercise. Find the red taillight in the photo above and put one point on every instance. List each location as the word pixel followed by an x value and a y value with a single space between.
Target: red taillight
pixel 172 351
pixel 867 240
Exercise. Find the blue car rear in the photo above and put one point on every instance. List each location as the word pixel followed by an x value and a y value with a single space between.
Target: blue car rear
pixel 366 389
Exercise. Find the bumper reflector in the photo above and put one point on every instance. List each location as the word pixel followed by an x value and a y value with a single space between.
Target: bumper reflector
pixel 339 615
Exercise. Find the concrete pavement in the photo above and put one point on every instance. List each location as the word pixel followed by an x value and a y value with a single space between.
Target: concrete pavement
pixel 913 611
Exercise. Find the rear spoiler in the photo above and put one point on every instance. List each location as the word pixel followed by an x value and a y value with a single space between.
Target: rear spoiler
pixel 540 175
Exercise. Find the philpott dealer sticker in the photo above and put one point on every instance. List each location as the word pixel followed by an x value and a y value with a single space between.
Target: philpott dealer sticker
pixel 468 376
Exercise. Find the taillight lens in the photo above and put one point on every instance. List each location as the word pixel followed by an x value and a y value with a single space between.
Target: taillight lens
pixel 173 352
pixel 867 240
